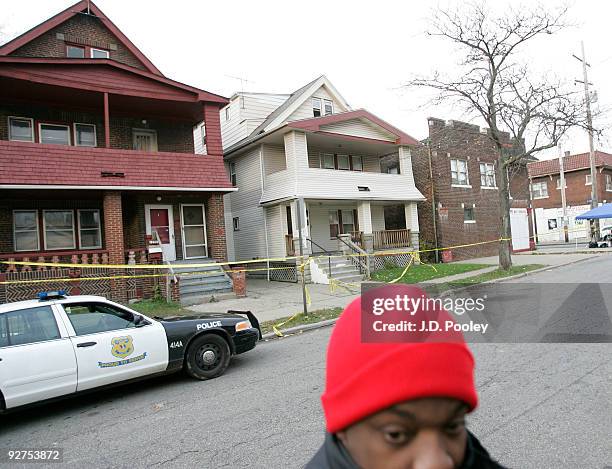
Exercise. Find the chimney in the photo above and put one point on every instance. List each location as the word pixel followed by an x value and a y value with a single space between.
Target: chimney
pixel 567 153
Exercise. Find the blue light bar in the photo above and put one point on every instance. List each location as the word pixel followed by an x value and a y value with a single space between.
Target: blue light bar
pixel 51 295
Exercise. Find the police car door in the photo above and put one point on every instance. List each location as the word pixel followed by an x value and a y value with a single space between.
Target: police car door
pixel 112 344
pixel 36 356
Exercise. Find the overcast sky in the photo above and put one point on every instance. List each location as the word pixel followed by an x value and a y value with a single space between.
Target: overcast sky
pixel 367 49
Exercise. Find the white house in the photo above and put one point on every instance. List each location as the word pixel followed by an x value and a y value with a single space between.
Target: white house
pixel 311 145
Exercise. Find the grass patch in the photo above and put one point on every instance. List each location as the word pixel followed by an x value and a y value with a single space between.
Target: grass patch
pixel 313 317
pixel 160 308
pixel 424 272
pixel 497 274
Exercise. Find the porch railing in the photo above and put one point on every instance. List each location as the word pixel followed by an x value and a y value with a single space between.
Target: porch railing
pixel 96 256
pixel 391 239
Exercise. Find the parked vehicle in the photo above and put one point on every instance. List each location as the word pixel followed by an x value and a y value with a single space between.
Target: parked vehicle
pixel 60 345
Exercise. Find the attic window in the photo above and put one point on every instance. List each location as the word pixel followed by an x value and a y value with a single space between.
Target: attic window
pixel 75 52
pixel 99 54
pixel 329 107
pixel 316 107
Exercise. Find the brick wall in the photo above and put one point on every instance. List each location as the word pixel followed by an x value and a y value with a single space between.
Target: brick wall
pixel 463 141
pixel 216 226
pixel 576 192
pixel 171 136
pixel 83 30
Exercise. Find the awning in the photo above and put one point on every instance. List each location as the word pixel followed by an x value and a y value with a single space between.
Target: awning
pixel 603 211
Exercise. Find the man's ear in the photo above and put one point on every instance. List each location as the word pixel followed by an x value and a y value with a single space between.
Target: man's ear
pixel 342 436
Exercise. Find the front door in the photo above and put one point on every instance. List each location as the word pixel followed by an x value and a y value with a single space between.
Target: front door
pixel 193 225
pixel 159 219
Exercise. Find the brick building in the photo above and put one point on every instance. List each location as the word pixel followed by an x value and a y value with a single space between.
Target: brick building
pixel 546 193
pixel 456 171
pixel 97 157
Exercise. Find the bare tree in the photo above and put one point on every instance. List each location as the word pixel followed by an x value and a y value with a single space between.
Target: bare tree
pixel 490 83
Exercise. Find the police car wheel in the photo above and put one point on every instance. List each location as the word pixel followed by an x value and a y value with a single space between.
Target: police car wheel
pixel 208 357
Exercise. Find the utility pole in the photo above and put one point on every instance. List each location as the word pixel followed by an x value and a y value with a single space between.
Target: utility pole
pixel 587 97
pixel 563 203
pixel 299 205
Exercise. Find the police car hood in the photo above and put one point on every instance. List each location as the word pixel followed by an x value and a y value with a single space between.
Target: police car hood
pixel 212 316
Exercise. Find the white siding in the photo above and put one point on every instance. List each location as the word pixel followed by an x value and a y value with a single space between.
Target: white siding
pixel 305 109
pixel 274 158
pixel 359 128
pixel 234 129
pixel 249 241
pixel 378 217
pixel 260 106
pixel 276 232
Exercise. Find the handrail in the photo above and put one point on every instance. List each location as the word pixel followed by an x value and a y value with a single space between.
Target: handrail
pixel 329 254
pixel 357 260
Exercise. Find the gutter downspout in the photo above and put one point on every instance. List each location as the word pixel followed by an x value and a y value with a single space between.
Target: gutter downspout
pixel 261 178
pixel 433 202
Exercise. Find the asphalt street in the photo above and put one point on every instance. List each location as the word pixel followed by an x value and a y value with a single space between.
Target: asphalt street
pixel 541 406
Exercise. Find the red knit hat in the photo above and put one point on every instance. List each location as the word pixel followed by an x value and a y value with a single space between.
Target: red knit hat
pixel 364 378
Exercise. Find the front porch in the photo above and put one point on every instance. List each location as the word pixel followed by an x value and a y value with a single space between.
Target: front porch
pixel 82 228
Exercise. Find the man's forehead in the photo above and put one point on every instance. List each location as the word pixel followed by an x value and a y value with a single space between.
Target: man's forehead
pixel 428 409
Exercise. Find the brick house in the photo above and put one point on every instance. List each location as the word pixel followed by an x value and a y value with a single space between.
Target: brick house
pixel 97 157
pixel 545 183
pixel 462 191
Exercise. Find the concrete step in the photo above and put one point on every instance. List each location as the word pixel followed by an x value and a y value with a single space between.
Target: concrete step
pixel 340 270
pixel 349 278
pixel 205 288
pixel 199 277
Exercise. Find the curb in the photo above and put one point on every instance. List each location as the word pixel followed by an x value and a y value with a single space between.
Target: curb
pixel 299 329
pixel 330 322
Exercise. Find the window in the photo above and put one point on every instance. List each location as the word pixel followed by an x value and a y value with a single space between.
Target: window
pixel 85 135
pixel 588 180
pixel 334 224
pixel 559 183
pixel 75 52
pixel 99 54
pixel 91 318
pixel 90 236
pixel 539 190
pixel 487 175
pixel 4 338
pixel 144 140
pixel 58 229
pixel 25 230
pixel 348 221
pixel 21 129
pixel 232 173
pixel 236 223
pixel 203 137
pixel 459 173
pixel 468 215
pixel 609 182
pixel 357 163
pixel 227 113
pixel 316 107
pixel 328 107
pixel 55 134
pixel 28 326
pixel 343 162
pixel 327 161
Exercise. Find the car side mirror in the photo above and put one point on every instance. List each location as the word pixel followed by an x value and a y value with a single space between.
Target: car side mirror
pixel 139 321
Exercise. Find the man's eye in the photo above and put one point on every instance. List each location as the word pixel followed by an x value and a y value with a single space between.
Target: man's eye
pixel 454 428
pixel 396 437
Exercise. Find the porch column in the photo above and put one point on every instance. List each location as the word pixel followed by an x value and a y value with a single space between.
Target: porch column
pixel 405 162
pixel 296 155
pixel 364 217
pixel 113 236
pixel 215 224
pixel 412 222
pixel 212 127
pixel 106 122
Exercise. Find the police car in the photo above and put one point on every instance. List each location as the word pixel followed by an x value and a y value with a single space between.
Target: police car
pixel 61 344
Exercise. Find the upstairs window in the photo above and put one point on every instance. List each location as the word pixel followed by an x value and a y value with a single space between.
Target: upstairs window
pixel 608 182
pixel 56 134
pixel 468 215
pixel 85 135
pixel 21 129
pixel 539 190
pixel 75 52
pixel 344 162
pixel 588 180
pixel 99 53
pixel 232 173
pixel 357 163
pixel 459 173
pixel 144 139
pixel 227 113
pixel 559 183
pixel 487 175
pixel 327 161
pixel 316 107
pixel 328 107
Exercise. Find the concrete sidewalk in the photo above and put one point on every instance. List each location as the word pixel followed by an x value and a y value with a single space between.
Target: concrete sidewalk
pixel 273 300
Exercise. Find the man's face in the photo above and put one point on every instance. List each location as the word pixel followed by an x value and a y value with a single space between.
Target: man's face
pixel 419 434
